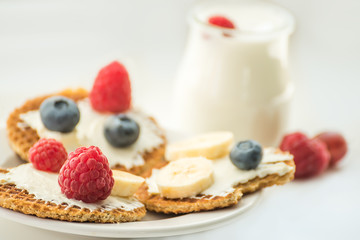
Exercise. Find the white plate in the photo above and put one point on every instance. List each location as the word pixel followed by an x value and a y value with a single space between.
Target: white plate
pixel 153 225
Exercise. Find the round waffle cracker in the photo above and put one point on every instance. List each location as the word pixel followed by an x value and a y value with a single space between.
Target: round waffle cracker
pixel 156 203
pixel 160 204
pixel 20 200
pixel 22 138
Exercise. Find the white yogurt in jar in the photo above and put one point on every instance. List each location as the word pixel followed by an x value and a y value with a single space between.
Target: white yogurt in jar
pixel 236 79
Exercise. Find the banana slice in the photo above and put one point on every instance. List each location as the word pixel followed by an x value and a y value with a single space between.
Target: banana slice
pixel 210 145
pixel 125 184
pixel 185 177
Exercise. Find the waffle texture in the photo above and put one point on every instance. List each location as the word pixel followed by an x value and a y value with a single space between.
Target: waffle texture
pixel 20 200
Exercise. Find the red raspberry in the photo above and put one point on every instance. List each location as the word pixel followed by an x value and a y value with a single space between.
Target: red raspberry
pixel 336 145
pixel 47 155
pixel 86 175
pixel 112 90
pixel 221 21
pixel 291 140
pixel 311 158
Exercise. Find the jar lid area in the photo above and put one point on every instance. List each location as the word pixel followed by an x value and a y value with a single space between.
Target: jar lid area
pixel 249 17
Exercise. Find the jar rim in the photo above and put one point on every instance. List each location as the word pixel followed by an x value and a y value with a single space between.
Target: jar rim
pixel 287 28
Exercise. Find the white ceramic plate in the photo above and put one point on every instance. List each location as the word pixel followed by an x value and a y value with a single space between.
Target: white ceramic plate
pixel 153 225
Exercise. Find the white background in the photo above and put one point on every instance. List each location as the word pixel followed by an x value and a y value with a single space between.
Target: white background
pixel 47 46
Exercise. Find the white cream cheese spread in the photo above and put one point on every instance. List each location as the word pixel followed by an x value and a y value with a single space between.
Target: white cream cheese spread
pixel 226 175
pixel 44 186
pixel 89 131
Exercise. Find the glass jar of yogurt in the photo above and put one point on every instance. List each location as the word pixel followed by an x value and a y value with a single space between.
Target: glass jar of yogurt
pixel 236 79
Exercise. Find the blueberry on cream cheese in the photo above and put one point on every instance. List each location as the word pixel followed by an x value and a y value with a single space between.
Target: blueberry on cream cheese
pixel 59 114
pixel 246 155
pixel 121 131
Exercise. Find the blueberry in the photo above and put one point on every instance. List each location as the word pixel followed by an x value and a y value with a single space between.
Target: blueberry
pixel 121 131
pixel 59 114
pixel 246 155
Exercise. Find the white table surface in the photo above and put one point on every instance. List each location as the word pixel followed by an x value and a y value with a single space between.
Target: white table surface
pixel 48 46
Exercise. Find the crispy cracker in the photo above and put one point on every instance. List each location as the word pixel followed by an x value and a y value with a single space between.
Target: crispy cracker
pixel 157 203
pixel 20 200
pixel 22 138
pixel 160 204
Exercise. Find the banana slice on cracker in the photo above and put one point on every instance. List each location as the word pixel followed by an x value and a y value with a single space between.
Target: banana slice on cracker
pixel 212 145
pixel 125 184
pixel 185 177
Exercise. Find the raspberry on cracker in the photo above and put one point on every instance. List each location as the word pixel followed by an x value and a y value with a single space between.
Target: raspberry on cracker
pixel 48 155
pixel 86 175
pixel 111 91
